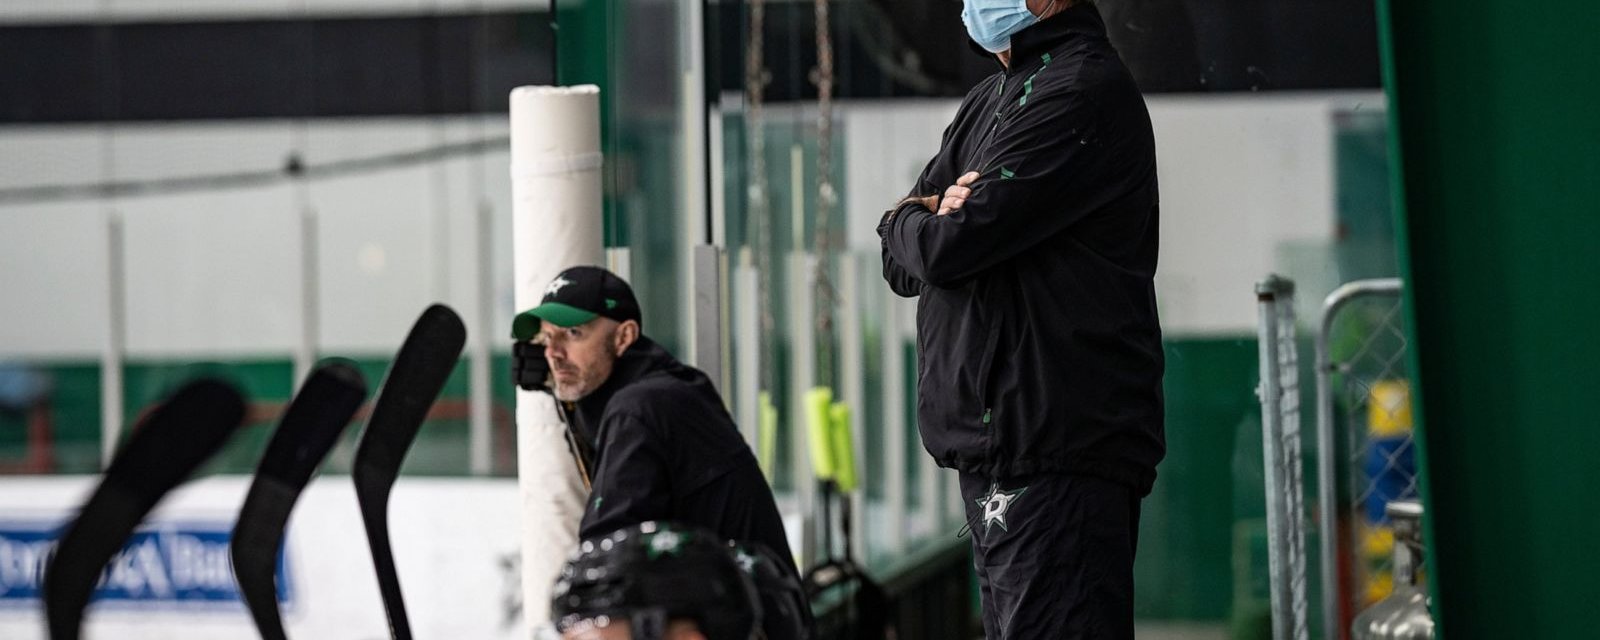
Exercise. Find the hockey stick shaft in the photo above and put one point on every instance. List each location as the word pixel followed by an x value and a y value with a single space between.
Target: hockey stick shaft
pixel 309 429
pixel 414 381
pixel 163 450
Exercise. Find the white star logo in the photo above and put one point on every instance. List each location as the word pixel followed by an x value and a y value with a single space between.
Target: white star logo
pixel 746 561
pixel 556 285
pixel 996 504
pixel 666 542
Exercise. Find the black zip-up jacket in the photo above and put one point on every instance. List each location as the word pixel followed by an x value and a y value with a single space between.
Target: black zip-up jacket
pixel 666 449
pixel 1039 350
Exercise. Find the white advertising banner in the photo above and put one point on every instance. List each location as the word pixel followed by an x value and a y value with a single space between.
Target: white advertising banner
pixel 456 545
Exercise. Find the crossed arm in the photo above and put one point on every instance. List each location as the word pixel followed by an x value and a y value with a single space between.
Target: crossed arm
pixel 1035 180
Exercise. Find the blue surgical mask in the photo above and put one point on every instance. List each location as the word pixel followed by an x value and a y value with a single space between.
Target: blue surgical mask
pixel 991 23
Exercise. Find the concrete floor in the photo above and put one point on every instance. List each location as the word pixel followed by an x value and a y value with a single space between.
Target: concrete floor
pixel 1180 631
pixel 1176 631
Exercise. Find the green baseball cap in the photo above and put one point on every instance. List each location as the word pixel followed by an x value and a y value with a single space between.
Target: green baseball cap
pixel 576 296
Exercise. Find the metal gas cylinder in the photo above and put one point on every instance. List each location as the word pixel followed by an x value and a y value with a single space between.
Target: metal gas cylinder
pixel 1404 614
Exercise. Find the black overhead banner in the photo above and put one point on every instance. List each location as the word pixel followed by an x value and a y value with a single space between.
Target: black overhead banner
pixel 446 64
pixel 888 48
pixel 272 68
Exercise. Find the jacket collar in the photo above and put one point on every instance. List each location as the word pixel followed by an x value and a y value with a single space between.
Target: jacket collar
pixel 1082 19
pixel 642 358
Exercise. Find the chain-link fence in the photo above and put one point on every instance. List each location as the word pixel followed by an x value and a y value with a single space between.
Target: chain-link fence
pixel 1366 455
pixel 1280 431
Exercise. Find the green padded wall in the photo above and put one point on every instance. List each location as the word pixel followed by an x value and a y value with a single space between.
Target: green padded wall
pixel 1494 112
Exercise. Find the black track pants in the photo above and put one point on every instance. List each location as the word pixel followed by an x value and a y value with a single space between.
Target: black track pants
pixel 1054 555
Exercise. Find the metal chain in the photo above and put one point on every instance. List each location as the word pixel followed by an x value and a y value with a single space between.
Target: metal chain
pixel 827 197
pixel 756 78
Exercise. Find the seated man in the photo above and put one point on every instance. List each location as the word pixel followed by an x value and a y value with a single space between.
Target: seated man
pixel 664 447
pixel 655 581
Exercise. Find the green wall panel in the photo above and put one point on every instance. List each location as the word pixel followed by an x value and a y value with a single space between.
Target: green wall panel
pixel 1184 566
pixel 145 382
pixel 441 447
pixel 74 411
pixel 1495 117
pixel 585 55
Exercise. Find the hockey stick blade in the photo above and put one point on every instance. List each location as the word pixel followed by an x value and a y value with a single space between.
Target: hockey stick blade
pixel 409 389
pixel 308 431
pixel 161 451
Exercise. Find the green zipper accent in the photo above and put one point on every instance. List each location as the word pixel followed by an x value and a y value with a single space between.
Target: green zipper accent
pixel 1027 85
pixel 987 415
pixel 1007 173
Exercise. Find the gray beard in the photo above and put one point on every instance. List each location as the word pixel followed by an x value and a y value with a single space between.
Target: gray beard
pixel 568 395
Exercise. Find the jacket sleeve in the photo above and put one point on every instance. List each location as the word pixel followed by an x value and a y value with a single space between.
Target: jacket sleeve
pixel 943 163
pixel 631 483
pixel 900 281
pixel 1042 172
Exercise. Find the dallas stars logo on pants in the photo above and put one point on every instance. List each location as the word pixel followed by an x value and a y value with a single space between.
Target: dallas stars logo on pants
pixel 996 504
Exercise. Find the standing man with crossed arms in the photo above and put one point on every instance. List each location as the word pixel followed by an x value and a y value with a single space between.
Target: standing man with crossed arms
pixel 1030 241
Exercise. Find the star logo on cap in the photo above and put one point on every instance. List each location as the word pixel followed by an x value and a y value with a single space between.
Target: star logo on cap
pixel 556 285
pixel 996 504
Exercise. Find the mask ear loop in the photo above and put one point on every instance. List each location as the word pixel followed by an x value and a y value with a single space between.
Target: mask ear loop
pixel 1049 10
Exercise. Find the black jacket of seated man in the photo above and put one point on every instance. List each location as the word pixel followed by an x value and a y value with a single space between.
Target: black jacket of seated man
pixel 667 449
pixel 663 445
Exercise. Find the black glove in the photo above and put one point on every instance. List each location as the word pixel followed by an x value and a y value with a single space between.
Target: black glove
pixel 529 369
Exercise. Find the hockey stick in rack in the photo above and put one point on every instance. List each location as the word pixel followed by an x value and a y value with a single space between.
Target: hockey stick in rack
pixel 308 431
pixel 162 450
pixel 413 383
